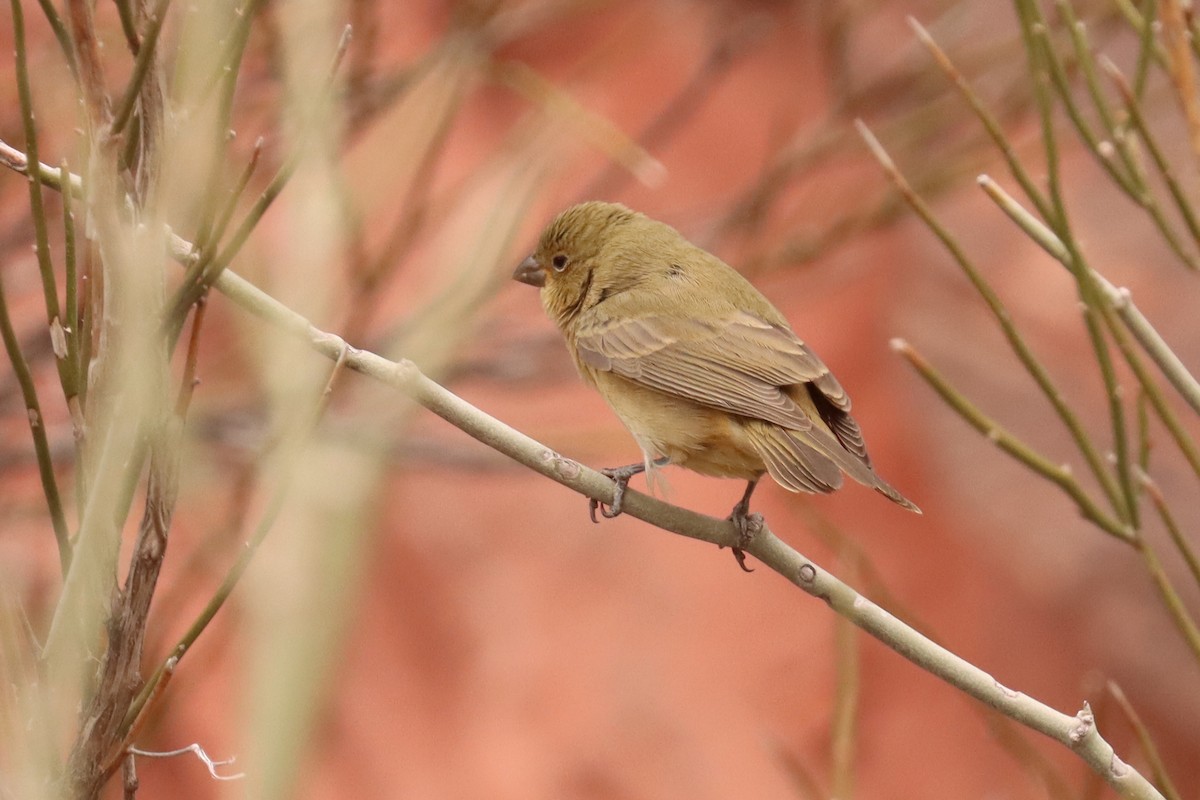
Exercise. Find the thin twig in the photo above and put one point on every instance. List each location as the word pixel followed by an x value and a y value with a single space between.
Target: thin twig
pixel 804 783
pixel 1176 608
pixel 1149 48
pixel 37 429
pixel 188 293
pixel 1155 395
pixel 195 749
pixel 1005 731
pixel 123 753
pixel 214 221
pixel 1182 70
pixel 1044 60
pixel 72 328
pixel 1159 351
pixel 1161 777
pixel 733 44
pixel 1060 475
pixel 141 67
pixel 989 122
pixel 1117 298
pixel 1176 533
pixel 82 26
pixel 128 26
pixel 1016 341
pixel 193 286
pixel 60 33
pixel 37 205
pixel 234 575
pixel 1165 170
pixel 53 311
pixel 228 64
pixel 1117 137
pixel 599 131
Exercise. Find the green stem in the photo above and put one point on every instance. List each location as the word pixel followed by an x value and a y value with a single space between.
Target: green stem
pixel 234 576
pixel 187 294
pixel 214 266
pixel 1132 181
pixel 989 122
pixel 128 27
pixel 1161 778
pixel 38 429
pixel 1094 307
pixel 1049 241
pixel 1019 347
pixel 1176 533
pixel 141 66
pixel 1170 597
pixel 36 200
pixel 1060 475
pixel 1165 171
pixel 193 279
pixel 60 33
pixel 72 280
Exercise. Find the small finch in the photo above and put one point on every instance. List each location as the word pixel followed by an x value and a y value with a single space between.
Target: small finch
pixel 700 367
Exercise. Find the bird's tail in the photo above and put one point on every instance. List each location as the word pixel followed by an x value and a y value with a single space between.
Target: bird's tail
pixel 814 460
pixel 890 492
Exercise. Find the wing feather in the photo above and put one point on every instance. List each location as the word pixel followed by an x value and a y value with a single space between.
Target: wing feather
pixel 740 363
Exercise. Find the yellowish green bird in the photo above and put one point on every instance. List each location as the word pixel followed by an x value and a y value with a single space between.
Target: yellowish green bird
pixel 699 366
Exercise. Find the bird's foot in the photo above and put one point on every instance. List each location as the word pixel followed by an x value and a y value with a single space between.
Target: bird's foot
pixel 748 526
pixel 620 476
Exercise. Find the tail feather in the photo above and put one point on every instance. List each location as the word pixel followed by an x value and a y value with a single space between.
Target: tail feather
pixel 840 423
pixel 794 466
pixel 813 461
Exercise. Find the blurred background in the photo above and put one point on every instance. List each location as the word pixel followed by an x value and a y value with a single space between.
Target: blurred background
pixel 429 620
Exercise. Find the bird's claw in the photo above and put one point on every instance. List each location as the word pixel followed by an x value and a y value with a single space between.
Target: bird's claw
pixel 608 512
pixel 748 526
pixel 620 476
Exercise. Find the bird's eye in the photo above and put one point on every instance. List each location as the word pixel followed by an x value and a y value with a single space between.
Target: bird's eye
pixel 560 262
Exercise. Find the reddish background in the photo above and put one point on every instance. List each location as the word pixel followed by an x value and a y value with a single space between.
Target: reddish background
pixel 502 646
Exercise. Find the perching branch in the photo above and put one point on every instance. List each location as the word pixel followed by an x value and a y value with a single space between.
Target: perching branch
pixel 1078 732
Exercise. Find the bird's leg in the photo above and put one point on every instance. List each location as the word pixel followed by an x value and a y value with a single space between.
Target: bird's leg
pixel 747 524
pixel 620 476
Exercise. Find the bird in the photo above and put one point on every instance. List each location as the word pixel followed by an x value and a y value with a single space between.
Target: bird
pixel 703 371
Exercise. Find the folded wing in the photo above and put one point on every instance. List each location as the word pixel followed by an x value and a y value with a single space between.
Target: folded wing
pixel 737 363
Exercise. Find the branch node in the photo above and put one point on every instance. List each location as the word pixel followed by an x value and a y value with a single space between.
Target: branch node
pixel 566 467
pixel 405 372
pixel 1086 726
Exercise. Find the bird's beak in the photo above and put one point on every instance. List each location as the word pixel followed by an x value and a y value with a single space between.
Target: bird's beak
pixel 530 272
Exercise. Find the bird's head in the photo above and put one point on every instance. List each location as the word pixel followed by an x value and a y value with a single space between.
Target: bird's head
pixel 570 264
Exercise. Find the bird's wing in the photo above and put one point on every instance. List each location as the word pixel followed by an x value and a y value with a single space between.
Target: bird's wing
pixel 736 362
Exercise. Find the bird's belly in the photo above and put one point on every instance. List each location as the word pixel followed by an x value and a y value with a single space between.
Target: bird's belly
pixel 701 439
